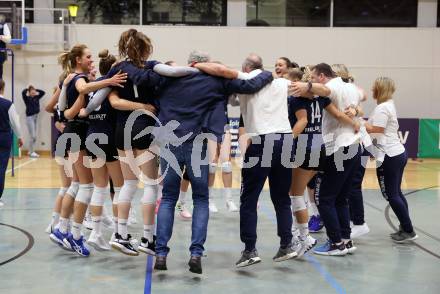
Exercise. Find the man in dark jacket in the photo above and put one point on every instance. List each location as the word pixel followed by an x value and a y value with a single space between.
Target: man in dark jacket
pixel 187 100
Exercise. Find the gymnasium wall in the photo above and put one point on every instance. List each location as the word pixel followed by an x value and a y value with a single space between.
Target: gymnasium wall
pixel 409 55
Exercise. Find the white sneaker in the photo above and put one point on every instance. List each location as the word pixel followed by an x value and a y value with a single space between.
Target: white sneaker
pixel 301 247
pixel 132 217
pixel 230 205
pixel 183 210
pixel 34 155
pixel 358 231
pixel 212 207
pixel 98 242
pixel 308 243
pixel 2 204
pixel 134 242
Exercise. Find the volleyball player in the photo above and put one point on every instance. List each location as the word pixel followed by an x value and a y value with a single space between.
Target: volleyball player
pixel 101 147
pixel 392 157
pixel 283 65
pixel 342 146
pixel 66 180
pixel 305 118
pixel 78 60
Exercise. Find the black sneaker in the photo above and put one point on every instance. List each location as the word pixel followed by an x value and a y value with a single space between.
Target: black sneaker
pixel 195 264
pixel 124 245
pixel 285 254
pixel 248 258
pixel 350 247
pixel 148 247
pixel 161 263
pixel 403 237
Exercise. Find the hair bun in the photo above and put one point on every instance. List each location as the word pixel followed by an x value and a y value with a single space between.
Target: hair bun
pixel 103 53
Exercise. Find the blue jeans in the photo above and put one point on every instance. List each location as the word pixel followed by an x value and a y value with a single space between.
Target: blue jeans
pixel 31 122
pixel 170 195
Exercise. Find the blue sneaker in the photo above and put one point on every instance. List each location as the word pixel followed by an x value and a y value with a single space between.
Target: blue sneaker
pixel 77 245
pixel 57 237
pixel 331 249
pixel 315 224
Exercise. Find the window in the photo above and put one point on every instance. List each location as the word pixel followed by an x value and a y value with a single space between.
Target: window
pixel 188 12
pixel 288 13
pixel 308 13
pixel 438 13
pixel 104 12
pixel 375 13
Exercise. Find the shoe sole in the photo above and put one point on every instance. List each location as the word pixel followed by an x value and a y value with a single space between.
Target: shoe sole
pixel 146 251
pixel 406 240
pixel 195 270
pixel 98 247
pixel 116 247
pixel 58 242
pixel 286 257
pixel 249 262
pixel 336 253
pixel 359 235
pixel 61 244
pixel 352 250
pixel 160 268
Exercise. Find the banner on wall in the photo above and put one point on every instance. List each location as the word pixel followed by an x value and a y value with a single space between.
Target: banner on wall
pixel 234 123
pixel 409 135
pixel 429 142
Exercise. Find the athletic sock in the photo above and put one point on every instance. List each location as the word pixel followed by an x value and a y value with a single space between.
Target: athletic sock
pixel 122 228
pixel 149 232
pixel 315 210
pixel 182 197
pixel 303 230
pixel 115 224
pixel 64 224
pixel 228 194
pixel 97 224
pixel 76 230
pixel 55 218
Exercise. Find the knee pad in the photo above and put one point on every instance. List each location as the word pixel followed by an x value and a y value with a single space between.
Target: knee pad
pixel 62 191
pixel 128 191
pixel 85 192
pixel 227 167
pixel 99 195
pixel 72 191
pixel 212 168
pixel 116 195
pixel 298 203
pixel 150 194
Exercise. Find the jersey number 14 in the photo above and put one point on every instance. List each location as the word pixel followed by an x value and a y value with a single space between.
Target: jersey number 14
pixel 316 112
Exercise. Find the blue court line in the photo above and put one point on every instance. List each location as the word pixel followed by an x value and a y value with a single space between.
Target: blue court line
pixel 148 275
pixel 316 264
